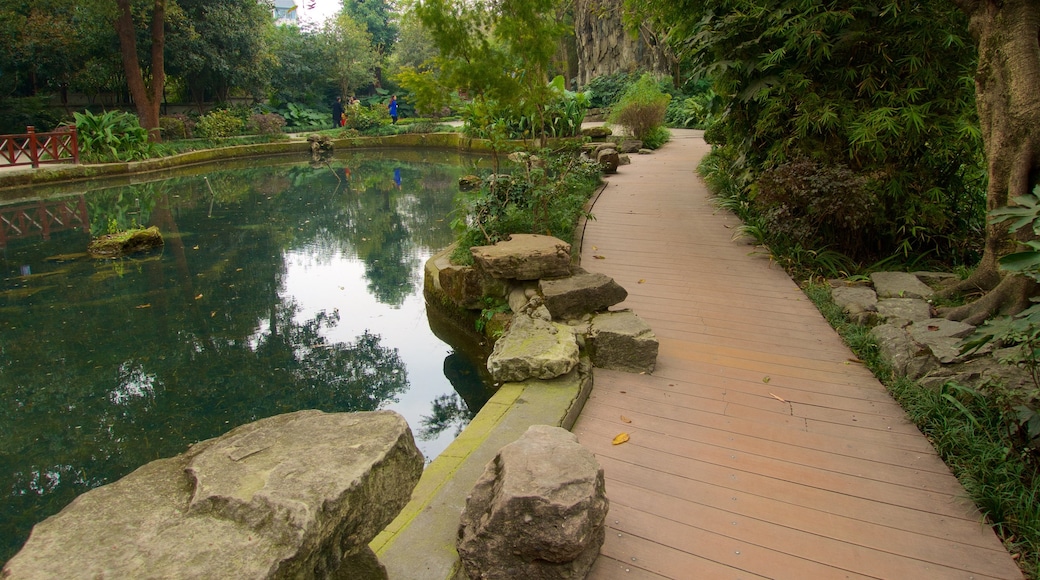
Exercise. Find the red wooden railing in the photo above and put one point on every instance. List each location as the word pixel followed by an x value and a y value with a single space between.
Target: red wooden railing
pixel 43 218
pixel 32 148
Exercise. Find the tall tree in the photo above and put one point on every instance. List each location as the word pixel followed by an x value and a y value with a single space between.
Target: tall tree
pixel 1007 86
pixel 147 95
pixel 350 47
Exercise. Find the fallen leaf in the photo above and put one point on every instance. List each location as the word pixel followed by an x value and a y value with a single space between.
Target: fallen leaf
pixel 765 379
pixel 144 305
pixel 598 257
pixel 625 419
pixel 212 314
pixel 594 248
pixel 777 398
pixel 641 281
pixel 932 327
pixel 199 297
pixel 195 248
pixel 621 438
pixel 622 392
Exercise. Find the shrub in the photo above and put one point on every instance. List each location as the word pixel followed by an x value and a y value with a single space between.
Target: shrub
pixel 219 123
pixel 642 107
pixel 362 118
pixel 299 116
pixel 656 137
pixel 111 136
pixel 605 90
pixel 18 113
pixel 815 205
pixel 269 124
pixel 177 126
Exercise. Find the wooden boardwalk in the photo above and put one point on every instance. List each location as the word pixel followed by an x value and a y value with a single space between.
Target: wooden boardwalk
pixel 759 447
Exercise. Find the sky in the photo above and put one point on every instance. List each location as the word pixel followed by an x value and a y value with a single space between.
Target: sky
pixel 322 9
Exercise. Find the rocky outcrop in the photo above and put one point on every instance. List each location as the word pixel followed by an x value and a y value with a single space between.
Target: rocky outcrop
pixel 608 160
pixel 606 45
pixel 537 511
pixel 292 496
pixel 533 348
pixel 125 243
pixel 913 341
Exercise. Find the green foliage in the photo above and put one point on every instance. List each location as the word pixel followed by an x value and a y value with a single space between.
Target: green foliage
pixel 18 113
pixel 297 116
pixel 111 136
pixel 546 195
pixel 491 308
pixel 656 137
pixel 364 119
pixel 642 108
pixel 219 123
pixel 605 90
pixel 177 126
pixel 353 58
pixel 696 112
pixel 302 71
pixel 561 116
pixel 265 124
pixel 879 87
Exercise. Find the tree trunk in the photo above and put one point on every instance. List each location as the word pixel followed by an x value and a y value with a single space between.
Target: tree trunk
pixel 1007 87
pixel 147 98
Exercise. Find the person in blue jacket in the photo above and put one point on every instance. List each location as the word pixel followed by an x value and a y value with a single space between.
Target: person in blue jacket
pixel 393 108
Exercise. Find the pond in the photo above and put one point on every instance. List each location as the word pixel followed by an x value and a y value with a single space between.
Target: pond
pixel 280 287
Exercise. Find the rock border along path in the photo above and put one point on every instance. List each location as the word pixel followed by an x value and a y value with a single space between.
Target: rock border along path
pixel 759 446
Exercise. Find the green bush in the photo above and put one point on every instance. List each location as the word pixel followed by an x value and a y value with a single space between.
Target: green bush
pixel 642 107
pixel 111 136
pixel 268 124
pixel 177 126
pixel 219 123
pixel 605 90
pixel 18 113
pixel 298 116
pixel 363 119
pixel 562 116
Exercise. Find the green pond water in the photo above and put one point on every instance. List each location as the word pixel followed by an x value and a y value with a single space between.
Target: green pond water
pixel 280 287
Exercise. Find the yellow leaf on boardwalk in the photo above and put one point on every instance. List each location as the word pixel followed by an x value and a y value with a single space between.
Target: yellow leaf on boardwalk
pixel 598 257
pixel 625 419
pixel 621 438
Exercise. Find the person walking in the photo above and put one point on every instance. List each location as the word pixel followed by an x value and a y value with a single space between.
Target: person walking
pixel 393 109
pixel 337 112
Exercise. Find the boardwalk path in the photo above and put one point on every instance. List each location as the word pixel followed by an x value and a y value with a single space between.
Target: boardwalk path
pixel 758 448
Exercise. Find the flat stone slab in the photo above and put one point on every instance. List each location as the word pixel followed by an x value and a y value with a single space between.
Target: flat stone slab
pixel 912 309
pixel 298 495
pixel 941 336
pixel 622 341
pixel 581 293
pixel 855 298
pixel 899 285
pixel 533 348
pixel 524 257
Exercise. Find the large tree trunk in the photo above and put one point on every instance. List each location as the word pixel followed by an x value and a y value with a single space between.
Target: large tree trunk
pixel 1007 86
pixel 146 98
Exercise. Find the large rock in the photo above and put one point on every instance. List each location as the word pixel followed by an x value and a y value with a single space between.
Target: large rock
pixel 533 348
pixel 608 160
pixel 941 336
pixel 899 285
pixel 910 309
pixel 467 286
pixel 581 293
pixel 292 496
pixel 537 512
pixel 906 357
pixel 524 257
pixel 859 303
pixel 622 341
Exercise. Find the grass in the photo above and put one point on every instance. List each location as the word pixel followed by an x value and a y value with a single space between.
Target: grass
pixel 969 430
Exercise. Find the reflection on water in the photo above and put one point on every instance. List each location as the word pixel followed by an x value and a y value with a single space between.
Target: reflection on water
pixel 280 287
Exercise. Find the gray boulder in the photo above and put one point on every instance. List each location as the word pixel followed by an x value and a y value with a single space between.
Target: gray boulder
pixel 911 309
pixel 298 495
pixel 537 512
pixel 533 348
pixel 597 133
pixel 622 341
pixel 941 336
pixel 630 146
pixel 524 257
pixel 899 285
pixel 581 293
pixel 608 160
pixel 859 303
pixel 906 357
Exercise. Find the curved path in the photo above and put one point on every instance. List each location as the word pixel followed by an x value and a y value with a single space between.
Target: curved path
pixel 759 447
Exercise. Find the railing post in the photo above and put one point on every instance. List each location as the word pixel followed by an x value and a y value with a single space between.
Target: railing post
pixel 34 153
pixel 75 144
